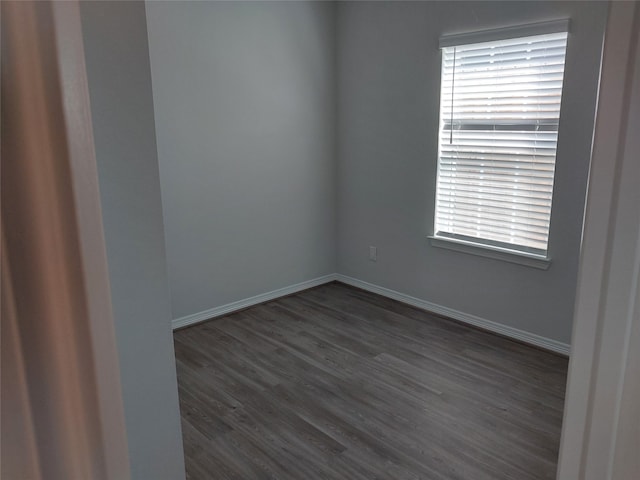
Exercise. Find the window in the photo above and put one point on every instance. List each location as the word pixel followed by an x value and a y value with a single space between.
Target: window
pixel 499 114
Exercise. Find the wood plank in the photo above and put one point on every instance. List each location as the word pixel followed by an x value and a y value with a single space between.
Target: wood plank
pixel 335 382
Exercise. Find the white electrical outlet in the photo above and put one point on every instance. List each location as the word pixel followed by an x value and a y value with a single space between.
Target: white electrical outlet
pixel 373 254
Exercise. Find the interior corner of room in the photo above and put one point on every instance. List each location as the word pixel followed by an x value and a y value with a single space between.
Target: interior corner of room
pixel 291 138
pixel 272 181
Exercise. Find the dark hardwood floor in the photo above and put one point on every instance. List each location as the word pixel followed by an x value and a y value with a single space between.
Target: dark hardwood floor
pixel 338 383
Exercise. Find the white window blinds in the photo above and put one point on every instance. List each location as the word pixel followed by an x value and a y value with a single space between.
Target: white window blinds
pixel 499 113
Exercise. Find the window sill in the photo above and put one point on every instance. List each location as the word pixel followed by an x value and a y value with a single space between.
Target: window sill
pixel 512 256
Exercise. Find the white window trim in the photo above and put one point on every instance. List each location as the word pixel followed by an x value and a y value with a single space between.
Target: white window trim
pixel 540 262
pixel 481 36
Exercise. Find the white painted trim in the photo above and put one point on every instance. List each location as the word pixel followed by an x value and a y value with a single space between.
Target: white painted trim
pixel 249 302
pixel 507 331
pixel 511 332
pixel 601 431
pixel 490 251
pixel 554 26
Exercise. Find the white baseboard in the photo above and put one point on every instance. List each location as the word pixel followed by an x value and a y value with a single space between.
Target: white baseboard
pixel 515 333
pixel 248 302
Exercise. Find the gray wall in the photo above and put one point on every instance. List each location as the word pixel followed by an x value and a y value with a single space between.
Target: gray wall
pixel 115 39
pixel 388 86
pixel 266 179
pixel 244 96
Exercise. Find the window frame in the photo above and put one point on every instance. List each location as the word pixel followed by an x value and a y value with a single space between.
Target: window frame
pixel 485 247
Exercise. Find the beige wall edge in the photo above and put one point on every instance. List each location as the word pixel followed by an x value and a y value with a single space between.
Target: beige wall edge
pixel 56 299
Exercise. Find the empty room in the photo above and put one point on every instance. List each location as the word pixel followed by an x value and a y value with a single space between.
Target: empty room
pixel 320 240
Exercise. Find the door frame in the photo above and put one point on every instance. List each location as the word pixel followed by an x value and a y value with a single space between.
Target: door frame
pixel 601 428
